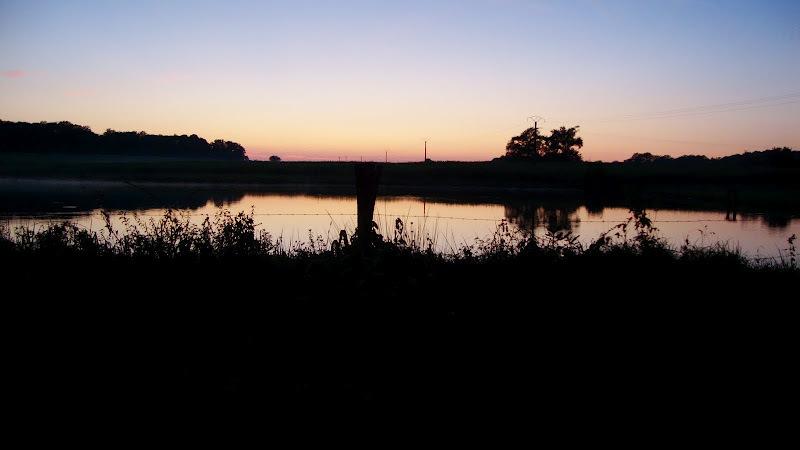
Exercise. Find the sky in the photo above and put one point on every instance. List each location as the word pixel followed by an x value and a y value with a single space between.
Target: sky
pixel 351 80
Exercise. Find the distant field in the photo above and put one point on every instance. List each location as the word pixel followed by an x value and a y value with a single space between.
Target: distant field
pixel 701 182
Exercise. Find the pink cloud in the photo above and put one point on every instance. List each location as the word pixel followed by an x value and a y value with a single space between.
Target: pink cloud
pixel 16 73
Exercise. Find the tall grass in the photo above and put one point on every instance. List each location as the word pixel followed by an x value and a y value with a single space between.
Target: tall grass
pixel 174 236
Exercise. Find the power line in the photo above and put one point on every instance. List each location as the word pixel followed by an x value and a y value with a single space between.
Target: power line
pixel 742 105
pixel 791 95
pixel 702 113
pixel 788 98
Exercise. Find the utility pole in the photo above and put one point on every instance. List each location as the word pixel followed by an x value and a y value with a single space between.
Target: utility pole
pixel 535 120
pixel 426 152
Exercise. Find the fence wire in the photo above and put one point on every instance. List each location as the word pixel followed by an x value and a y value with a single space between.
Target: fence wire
pixel 60 216
pixel 55 215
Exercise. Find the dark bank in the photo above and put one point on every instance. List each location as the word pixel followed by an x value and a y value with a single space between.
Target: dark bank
pixel 191 316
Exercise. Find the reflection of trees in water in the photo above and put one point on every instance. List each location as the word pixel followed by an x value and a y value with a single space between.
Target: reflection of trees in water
pixel 594 209
pixel 176 198
pixel 776 220
pixel 562 217
pixel 51 197
pixel 554 217
pixel 779 221
pixel 221 200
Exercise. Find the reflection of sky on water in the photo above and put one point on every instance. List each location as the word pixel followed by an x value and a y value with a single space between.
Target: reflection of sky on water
pixel 293 217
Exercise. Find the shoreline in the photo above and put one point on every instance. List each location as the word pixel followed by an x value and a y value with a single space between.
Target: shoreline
pixel 751 199
pixel 279 186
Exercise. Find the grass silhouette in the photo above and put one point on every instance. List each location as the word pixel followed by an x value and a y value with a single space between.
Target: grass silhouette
pixel 194 316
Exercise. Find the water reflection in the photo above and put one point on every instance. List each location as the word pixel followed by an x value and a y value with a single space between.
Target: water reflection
pixel 779 221
pixel 451 221
pixel 37 196
pixel 552 217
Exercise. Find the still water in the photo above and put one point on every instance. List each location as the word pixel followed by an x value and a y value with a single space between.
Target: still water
pixel 448 222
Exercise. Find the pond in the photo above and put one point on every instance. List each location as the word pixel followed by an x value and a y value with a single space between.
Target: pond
pixel 449 222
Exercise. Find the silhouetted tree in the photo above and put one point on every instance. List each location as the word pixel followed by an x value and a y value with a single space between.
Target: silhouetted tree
pixel 563 144
pixel 275 158
pixel 642 158
pixel 529 144
pixel 227 149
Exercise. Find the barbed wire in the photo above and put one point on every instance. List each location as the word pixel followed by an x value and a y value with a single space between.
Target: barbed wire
pixel 76 215
pixel 45 216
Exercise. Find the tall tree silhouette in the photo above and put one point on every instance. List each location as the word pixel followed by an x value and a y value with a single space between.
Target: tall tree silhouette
pixel 563 144
pixel 529 144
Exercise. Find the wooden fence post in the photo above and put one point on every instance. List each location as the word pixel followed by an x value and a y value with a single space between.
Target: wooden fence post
pixel 367 177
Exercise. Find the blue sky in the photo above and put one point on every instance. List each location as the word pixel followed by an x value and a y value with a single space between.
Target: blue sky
pixel 351 79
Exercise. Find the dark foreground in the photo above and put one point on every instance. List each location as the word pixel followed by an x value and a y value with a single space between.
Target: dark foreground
pixel 625 335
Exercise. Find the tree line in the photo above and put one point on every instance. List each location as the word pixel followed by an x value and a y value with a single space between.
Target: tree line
pixel 69 138
pixel 775 157
pixel 562 144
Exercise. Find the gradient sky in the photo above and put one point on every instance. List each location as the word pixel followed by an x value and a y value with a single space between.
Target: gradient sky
pixel 328 79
